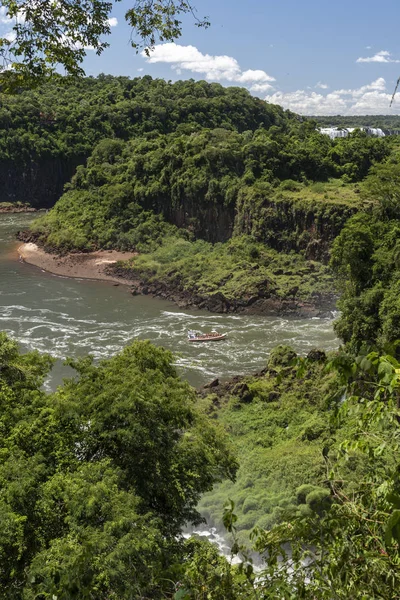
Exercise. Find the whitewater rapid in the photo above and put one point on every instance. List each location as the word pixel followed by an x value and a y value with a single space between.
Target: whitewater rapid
pixel 69 317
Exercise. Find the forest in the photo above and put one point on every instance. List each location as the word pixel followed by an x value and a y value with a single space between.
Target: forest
pixel 184 166
pixel 234 202
pixel 46 132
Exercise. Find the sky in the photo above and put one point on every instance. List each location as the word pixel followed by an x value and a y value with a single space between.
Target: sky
pixel 315 57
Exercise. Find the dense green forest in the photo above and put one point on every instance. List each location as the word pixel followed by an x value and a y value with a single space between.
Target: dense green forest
pixel 231 204
pixel 46 132
pixel 98 478
pixel 200 181
pixel 366 258
pixel 184 162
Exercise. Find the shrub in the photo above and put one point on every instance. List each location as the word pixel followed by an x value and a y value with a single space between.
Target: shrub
pixel 281 356
pixel 250 504
pixel 318 500
pixel 303 491
pixel 290 185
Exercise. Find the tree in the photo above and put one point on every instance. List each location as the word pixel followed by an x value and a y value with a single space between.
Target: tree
pixel 97 479
pixel 348 547
pixel 382 187
pixel 47 34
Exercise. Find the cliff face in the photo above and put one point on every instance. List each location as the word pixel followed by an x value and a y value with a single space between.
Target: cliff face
pixel 293 225
pixel 212 222
pixel 284 224
pixel 40 183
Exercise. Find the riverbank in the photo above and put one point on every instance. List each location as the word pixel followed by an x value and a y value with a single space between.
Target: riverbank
pixel 8 208
pixel 256 303
pixel 106 265
pixel 76 265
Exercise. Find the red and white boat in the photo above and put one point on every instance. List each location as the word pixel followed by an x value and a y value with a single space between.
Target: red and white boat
pixel 198 336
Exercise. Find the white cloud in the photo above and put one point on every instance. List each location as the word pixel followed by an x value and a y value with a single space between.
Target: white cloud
pixel 112 21
pixel 366 100
pixel 10 36
pixel 373 98
pixel 4 18
pixel 214 68
pixel 383 56
pixel 140 70
pixel 309 103
pixel 260 88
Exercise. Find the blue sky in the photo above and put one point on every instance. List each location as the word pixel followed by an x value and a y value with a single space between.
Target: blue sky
pixel 315 57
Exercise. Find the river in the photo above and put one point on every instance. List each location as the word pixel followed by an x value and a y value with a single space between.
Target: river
pixel 72 317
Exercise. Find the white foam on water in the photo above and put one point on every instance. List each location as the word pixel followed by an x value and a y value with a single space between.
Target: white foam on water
pixel 70 318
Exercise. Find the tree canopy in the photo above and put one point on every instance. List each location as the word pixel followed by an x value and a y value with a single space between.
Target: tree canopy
pixel 49 34
pixel 98 478
pixel 365 257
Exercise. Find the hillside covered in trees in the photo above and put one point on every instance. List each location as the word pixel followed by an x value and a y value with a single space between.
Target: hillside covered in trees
pixel 46 132
pixel 171 169
pixel 230 204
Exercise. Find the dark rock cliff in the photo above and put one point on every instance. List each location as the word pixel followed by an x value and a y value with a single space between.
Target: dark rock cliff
pixel 39 183
pixel 298 225
pixel 285 225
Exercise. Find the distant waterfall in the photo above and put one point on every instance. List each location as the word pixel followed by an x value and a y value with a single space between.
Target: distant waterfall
pixel 336 132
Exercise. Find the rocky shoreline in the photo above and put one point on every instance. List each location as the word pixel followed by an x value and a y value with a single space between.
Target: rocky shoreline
pixel 104 265
pixel 218 303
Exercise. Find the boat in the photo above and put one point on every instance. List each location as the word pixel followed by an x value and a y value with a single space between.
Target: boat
pixel 198 336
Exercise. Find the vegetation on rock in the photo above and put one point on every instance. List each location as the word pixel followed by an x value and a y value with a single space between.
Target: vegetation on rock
pixel 238 274
pixel 279 424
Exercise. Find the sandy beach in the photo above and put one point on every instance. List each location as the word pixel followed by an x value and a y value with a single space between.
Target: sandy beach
pixel 80 265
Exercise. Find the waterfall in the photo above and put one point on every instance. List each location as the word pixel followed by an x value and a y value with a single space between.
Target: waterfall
pixel 342 132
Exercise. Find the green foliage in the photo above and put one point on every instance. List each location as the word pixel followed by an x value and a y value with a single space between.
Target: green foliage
pixel 240 270
pixel 352 252
pixel 97 479
pixel 355 154
pixel 47 35
pixel 365 257
pixel 67 117
pixel 281 469
pixel 382 186
pixel 47 132
pixel 347 546
pixel 202 170
pixel 208 575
